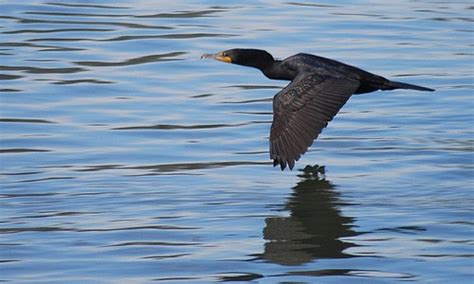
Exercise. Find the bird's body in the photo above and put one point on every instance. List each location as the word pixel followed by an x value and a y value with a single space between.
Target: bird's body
pixel 319 87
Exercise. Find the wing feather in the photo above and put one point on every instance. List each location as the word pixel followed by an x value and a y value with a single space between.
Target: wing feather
pixel 302 110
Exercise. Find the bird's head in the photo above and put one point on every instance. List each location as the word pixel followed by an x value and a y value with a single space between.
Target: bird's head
pixel 247 57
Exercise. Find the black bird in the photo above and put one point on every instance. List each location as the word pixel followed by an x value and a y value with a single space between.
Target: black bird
pixel 319 87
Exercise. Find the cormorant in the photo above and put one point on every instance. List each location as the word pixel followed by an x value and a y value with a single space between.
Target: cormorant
pixel 319 87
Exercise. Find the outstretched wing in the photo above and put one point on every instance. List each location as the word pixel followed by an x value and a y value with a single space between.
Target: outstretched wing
pixel 300 112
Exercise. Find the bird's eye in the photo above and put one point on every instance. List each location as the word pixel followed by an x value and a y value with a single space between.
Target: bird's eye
pixel 224 54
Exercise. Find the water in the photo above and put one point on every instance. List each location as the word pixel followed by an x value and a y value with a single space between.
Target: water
pixel 127 159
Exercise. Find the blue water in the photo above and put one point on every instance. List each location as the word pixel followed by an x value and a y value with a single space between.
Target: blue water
pixel 124 158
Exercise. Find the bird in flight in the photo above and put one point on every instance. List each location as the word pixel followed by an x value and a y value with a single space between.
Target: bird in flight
pixel 318 89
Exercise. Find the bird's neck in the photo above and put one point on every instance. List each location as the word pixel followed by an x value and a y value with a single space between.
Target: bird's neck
pixel 275 70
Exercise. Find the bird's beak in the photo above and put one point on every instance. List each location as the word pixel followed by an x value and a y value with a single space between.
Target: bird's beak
pixel 218 56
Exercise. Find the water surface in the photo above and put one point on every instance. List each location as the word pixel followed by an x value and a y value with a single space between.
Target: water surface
pixel 125 158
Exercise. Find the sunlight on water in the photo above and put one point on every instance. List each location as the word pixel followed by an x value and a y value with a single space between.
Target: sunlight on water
pixel 126 158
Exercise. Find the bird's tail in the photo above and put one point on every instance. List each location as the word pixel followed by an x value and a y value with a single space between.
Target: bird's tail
pixel 392 85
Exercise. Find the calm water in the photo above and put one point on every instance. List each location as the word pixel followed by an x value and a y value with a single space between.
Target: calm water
pixel 127 159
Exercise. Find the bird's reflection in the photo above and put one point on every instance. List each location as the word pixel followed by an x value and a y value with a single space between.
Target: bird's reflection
pixel 315 227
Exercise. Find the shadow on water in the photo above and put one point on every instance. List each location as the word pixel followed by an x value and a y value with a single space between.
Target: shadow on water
pixel 315 226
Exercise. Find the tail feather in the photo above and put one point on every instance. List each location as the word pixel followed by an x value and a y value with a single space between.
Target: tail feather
pixel 392 85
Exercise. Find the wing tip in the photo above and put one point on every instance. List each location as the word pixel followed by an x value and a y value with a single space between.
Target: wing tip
pixel 283 164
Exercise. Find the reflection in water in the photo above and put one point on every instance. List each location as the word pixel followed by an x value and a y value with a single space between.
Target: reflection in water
pixel 315 227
